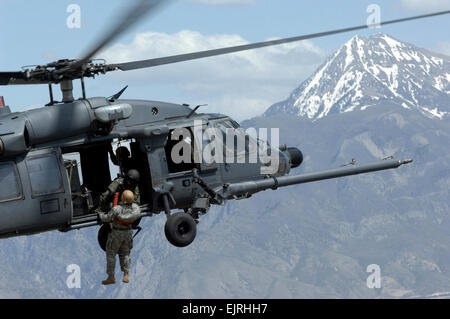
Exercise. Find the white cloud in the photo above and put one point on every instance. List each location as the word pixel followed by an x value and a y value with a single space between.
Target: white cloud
pixel 241 85
pixel 426 5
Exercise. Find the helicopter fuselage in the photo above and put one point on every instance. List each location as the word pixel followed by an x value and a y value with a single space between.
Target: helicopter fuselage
pixel 54 161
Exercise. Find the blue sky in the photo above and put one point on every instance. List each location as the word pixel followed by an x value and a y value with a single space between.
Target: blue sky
pixel 242 85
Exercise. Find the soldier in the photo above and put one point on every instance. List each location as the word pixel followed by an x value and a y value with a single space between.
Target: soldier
pixel 120 239
pixel 121 158
pixel 130 181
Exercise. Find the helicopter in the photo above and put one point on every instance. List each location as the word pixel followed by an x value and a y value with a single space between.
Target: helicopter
pixel 42 190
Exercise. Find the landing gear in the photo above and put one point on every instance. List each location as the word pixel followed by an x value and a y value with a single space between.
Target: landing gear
pixel 180 229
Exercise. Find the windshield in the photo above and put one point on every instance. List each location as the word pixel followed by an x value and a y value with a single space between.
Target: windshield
pixel 236 140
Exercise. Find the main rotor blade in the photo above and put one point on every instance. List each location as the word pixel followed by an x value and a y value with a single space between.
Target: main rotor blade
pixel 8 77
pixel 13 78
pixel 127 20
pixel 209 53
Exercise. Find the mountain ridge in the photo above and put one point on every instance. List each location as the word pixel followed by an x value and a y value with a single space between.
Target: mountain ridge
pixel 366 72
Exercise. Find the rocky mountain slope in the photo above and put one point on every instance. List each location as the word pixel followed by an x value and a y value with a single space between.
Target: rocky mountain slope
pixel 367 72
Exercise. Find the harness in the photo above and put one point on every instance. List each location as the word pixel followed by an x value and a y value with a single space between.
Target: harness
pixel 120 222
pixel 123 223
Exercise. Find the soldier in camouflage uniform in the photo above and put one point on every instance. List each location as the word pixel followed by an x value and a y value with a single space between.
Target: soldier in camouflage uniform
pixel 130 181
pixel 120 239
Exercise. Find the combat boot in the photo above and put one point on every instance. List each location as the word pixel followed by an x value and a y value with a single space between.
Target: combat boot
pixel 109 281
pixel 125 278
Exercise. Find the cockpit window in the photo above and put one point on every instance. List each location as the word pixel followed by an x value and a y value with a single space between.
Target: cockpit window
pixel 9 182
pixel 44 175
pixel 235 139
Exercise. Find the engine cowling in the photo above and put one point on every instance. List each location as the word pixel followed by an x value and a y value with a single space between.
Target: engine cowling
pixel 295 155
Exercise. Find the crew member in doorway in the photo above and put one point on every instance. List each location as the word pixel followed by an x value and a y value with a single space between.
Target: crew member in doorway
pixel 118 186
pixel 120 239
pixel 121 158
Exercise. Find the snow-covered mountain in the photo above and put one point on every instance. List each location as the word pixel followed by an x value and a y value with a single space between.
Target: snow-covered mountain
pixel 367 72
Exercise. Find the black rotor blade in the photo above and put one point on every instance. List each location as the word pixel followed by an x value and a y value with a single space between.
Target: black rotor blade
pixel 18 78
pixel 13 78
pixel 8 77
pixel 209 53
pixel 127 20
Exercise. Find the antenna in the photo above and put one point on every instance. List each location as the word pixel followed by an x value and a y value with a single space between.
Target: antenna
pixel 117 95
pixel 196 108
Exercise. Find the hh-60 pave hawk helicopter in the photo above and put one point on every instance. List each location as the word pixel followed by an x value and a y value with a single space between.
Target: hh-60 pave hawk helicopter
pixel 42 191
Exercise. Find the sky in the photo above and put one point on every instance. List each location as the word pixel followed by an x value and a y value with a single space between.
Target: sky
pixel 241 85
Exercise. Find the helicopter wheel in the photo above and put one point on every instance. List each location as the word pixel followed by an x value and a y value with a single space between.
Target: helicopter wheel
pixel 102 235
pixel 180 229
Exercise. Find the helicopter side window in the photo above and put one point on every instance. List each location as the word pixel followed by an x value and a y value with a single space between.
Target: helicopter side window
pixel 44 175
pixel 174 166
pixel 9 180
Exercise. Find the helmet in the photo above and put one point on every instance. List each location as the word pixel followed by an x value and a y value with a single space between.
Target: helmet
pixel 133 176
pixel 122 152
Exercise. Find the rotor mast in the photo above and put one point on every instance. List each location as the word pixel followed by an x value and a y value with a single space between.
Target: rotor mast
pixel 66 87
pixel 67 90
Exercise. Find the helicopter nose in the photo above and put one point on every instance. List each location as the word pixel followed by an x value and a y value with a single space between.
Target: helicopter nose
pixel 296 156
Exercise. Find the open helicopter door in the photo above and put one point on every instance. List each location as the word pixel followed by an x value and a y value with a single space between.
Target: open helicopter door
pixel 180 173
pixel 139 154
pixel 208 167
pixel 38 196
